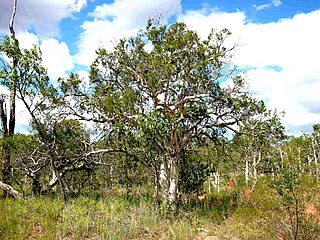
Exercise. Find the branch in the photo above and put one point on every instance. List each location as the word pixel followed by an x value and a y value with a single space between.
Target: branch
pixel 103 151
pixel 3 116
pixel 14 10
pixel 8 189
pixel 191 99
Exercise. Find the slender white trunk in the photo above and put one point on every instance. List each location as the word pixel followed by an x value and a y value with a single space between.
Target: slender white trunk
pixel 281 157
pixel 209 183
pixel 216 182
pixel 254 166
pixel 299 158
pixel 247 171
pixel 53 179
pixel 314 157
pixel 309 165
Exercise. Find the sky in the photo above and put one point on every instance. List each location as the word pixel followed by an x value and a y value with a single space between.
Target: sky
pixel 277 41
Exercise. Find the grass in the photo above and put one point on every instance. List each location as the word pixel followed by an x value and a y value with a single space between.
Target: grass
pixel 231 214
pixel 84 218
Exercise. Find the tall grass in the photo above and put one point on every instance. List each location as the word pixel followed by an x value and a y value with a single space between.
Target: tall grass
pixel 230 214
pixel 84 218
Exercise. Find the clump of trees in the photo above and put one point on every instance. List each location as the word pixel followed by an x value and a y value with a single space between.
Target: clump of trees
pixel 165 107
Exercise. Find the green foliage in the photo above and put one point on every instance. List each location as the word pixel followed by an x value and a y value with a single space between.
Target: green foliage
pixel 29 76
pixel 160 95
pixel 302 221
pixel 193 173
pixel 286 184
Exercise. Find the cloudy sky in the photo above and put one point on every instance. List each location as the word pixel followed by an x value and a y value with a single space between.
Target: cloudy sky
pixel 278 41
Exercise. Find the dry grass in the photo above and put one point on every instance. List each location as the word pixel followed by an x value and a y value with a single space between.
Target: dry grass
pixel 232 214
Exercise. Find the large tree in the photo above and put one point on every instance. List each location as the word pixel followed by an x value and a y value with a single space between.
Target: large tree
pixel 8 122
pixel 162 92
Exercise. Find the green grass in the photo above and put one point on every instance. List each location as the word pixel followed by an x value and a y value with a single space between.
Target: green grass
pixel 231 214
pixel 84 218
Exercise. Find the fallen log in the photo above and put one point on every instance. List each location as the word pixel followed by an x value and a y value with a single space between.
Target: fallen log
pixel 9 190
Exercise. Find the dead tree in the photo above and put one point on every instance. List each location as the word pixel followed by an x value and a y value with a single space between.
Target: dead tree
pixel 8 130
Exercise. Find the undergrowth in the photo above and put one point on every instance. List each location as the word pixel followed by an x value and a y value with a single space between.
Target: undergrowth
pixel 237 213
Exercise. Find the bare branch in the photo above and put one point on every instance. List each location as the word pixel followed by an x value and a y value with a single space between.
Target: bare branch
pixel 14 10
pixel 9 190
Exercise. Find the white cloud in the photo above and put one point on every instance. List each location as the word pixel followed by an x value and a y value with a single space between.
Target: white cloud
pixel 27 40
pixel 262 7
pixel 276 3
pixel 42 16
pixel 282 57
pixel 273 3
pixel 122 18
pixel 56 58
pixel 206 19
pixel 135 13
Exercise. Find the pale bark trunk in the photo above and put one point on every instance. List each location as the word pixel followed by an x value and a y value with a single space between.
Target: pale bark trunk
pixel 14 10
pixel 299 158
pixel 169 176
pixel 254 167
pixel 281 157
pixel 315 157
pixel 169 170
pixel 247 171
pixel 309 165
pixel 217 181
pixel 57 174
pixel 6 153
pixel 255 164
pixel 209 183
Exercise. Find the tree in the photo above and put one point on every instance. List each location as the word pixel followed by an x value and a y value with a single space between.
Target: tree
pixel 257 138
pixel 167 87
pixel 11 78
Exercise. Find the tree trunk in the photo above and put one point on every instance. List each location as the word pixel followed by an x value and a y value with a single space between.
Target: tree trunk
pixel 254 164
pixel 281 157
pixel 6 154
pixel 315 157
pixel 36 186
pixel 216 182
pixel 58 175
pixel 169 177
pixel 247 171
pixel 6 165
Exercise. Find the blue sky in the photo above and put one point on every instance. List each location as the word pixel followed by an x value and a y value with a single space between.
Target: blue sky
pixel 278 41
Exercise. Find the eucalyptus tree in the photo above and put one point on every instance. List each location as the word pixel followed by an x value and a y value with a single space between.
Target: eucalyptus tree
pixel 9 80
pixel 302 153
pixel 64 143
pixel 255 143
pixel 161 92
pixel 29 81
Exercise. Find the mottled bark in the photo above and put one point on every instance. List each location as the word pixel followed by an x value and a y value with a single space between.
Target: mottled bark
pixel 169 177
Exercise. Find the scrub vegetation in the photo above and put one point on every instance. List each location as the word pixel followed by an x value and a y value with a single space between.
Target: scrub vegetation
pixel 165 142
